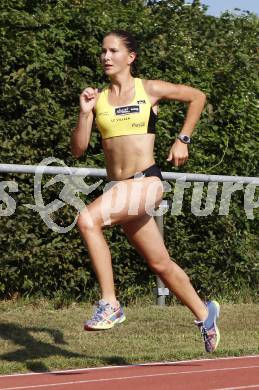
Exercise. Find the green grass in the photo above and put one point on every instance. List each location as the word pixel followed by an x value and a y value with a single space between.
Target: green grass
pixel 34 336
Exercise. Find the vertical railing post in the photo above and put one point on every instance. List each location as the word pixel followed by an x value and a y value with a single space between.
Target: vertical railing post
pixel 161 290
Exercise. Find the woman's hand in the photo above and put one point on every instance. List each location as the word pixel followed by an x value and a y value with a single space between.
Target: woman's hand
pixel 178 153
pixel 87 100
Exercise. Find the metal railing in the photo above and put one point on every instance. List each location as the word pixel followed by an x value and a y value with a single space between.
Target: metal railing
pixel 99 172
pixel 161 290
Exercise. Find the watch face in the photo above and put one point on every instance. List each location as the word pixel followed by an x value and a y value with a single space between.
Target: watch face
pixel 185 139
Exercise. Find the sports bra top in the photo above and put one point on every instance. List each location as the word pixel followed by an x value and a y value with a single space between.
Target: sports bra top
pixel 136 117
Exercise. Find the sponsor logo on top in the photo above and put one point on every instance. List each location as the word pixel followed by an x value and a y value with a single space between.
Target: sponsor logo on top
pixel 127 110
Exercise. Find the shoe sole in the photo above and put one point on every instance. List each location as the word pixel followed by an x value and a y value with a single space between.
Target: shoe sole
pixel 105 326
pixel 216 328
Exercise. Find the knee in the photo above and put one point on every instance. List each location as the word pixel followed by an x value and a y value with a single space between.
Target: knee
pixel 167 268
pixel 86 222
pixel 161 267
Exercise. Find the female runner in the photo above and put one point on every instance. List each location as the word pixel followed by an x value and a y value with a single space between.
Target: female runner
pixel 125 113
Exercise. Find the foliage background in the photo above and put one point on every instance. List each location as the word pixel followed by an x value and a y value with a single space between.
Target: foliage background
pixel 50 52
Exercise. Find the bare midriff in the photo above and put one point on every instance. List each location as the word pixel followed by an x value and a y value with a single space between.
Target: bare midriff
pixel 128 154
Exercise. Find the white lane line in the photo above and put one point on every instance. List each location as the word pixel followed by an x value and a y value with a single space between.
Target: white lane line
pixel 177 362
pixel 240 387
pixel 126 378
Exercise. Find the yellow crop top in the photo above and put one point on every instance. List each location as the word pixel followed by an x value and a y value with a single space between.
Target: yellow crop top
pixel 137 117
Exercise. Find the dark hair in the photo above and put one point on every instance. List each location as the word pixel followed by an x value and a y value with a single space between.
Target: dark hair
pixel 130 43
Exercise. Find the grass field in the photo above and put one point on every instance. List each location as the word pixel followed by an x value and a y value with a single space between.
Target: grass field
pixel 34 336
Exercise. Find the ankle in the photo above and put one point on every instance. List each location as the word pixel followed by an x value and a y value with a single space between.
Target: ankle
pixel 112 301
pixel 203 315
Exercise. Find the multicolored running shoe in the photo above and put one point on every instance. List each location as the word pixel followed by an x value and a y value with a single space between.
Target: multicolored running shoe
pixel 105 317
pixel 208 328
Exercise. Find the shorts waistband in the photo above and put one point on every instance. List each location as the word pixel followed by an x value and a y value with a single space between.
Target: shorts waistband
pixel 153 170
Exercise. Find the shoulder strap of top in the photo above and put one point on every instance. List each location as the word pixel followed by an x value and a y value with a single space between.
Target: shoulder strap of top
pixel 103 98
pixel 140 90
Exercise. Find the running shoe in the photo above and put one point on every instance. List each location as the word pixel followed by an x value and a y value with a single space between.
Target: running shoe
pixel 105 317
pixel 208 328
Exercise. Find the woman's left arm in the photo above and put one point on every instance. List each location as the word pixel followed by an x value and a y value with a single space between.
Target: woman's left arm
pixel 159 90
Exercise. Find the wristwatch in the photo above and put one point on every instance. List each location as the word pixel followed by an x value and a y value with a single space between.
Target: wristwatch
pixel 184 138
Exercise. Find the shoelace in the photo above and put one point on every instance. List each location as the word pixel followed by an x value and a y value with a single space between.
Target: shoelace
pixel 205 335
pixel 98 314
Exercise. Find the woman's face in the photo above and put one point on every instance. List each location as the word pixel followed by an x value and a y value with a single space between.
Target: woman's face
pixel 115 56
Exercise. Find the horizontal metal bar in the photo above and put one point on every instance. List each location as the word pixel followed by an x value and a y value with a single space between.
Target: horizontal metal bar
pixel 99 172
pixel 52 170
pixel 209 178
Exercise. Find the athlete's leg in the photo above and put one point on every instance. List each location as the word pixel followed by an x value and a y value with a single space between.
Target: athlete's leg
pixel 146 238
pixel 126 201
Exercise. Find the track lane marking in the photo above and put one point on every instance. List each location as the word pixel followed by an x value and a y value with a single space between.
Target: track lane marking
pixel 239 388
pixel 177 362
pixel 127 378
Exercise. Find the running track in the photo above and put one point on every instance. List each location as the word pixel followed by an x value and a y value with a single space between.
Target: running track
pixel 209 374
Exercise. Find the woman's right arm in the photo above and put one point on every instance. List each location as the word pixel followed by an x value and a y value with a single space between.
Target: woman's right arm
pixel 81 134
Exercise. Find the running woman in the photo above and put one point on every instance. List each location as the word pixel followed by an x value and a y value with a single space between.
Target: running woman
pixel 126 113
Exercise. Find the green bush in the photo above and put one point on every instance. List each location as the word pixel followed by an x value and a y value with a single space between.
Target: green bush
pixel 50 52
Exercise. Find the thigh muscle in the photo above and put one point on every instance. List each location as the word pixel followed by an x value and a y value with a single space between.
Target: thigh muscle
pixel 125 201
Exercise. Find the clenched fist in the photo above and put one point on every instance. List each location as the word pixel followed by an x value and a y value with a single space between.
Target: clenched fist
pixel 87 100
